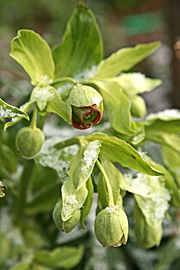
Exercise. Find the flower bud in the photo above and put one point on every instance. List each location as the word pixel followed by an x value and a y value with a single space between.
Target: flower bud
pixel 111 227
pixel 68 225
pixel 146 235
pixel 86 106
pixel 29 142
pixel 138 106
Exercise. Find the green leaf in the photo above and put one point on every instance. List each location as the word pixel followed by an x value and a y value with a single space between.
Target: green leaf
pixel 156 202
pixel 124 59
pixel 24 108
pixel 72 199
pixel 49 100
pixel 56 159
pixel 164 121
pixel 34 55
pixel 8 111
pixel 88 202
pixel 22 266
pixel 8 160
pixel 116 104
pixel 64 257
pixel 81 49
pixel 116 181
pixel 117 150
pixel 136 83
pixel 83 163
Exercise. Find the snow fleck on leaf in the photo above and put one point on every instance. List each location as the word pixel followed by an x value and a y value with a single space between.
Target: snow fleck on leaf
pixel 138 185
pixel 166 115
pixel 90 154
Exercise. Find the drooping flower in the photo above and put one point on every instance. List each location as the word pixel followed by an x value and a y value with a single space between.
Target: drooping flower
pixel 86 106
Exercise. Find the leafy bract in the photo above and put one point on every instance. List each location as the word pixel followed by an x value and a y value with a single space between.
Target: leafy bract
pixel 81 49
pixel 61 257
pixel 58 160
pixel 117 150
pixel 136 83
pixel 49 100
pixel 88 202
pixel 34 55
pixel 83 163
pixel 116 104
pixel 9 111
pixel 155 203
pixel 124 59
pixel 164 121
pixel 72 199
pixel 25 108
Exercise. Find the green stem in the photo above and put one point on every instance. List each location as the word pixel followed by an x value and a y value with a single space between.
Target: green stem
pixel 64 79
pixel 110 193
pixel 21 199
pixel 67 143
pixel 33 121
pixel 160 141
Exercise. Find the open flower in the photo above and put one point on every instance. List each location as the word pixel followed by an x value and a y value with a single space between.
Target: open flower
pixel 86 106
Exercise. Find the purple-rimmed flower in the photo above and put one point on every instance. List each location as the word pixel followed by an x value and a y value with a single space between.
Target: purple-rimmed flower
pixel 86 106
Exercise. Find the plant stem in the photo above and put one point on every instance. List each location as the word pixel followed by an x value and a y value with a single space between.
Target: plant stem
pixel 33 121
pixel 67 143
pixel 64 79
pixel 21 199
pixel 110 193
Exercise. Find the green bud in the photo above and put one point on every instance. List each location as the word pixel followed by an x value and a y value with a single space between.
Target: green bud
pixel 146 235
pixel 86 106
pixel 68 225
pixel 138 106
pixel 29 142
pixel 111 227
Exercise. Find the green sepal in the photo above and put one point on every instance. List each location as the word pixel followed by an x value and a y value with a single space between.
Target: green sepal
pixel 34 55
pixel 138 106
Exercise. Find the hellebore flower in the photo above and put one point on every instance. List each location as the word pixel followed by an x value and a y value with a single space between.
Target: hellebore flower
pixel 111 227
pixel 86 106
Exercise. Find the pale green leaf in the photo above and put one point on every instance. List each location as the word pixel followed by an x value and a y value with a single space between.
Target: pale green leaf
pixel 61 257
pixel 116 104
pixel 22 266
pixel 72 199
pixel 34 55
pixel 124 59
pixel 24 108
pixel 9 111
pixel 81 49
pixel 57 159
pixel 164 121
pixel 136 83
pixel 49 100
pixel 154 204
pixel 83 163
pixel 117 150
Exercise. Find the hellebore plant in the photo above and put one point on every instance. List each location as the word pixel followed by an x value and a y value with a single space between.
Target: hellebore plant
pixel 61 173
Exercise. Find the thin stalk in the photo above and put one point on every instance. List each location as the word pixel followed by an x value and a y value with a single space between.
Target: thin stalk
pixel 33 121
pixel 64 79
pixel 21 199
pixel 110 201
pixel 67 143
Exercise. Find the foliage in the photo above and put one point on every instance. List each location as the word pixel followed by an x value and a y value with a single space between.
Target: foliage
pixel 57 178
